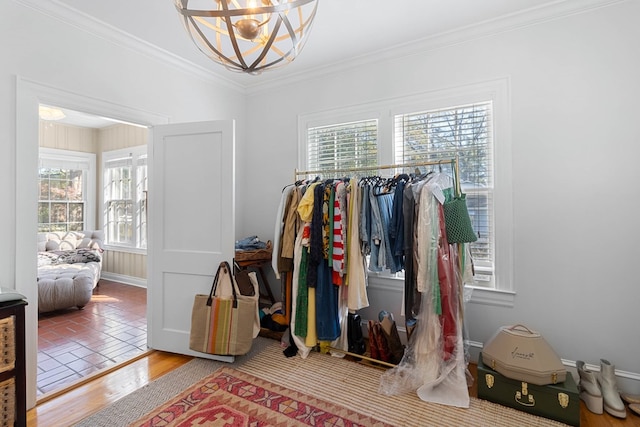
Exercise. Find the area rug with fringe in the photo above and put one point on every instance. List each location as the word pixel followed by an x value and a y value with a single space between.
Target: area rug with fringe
pixel 340 387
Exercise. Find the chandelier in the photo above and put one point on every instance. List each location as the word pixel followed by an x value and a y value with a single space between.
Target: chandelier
pixel 248 35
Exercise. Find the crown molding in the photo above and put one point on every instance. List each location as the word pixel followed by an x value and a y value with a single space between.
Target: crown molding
pixel 526 18
pixel 47 94
pixel 89 24
pixel 529 17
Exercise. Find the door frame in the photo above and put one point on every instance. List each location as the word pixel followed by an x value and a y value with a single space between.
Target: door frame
pixel 29 95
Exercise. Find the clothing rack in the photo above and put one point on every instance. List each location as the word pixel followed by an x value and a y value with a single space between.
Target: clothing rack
pixel 454 164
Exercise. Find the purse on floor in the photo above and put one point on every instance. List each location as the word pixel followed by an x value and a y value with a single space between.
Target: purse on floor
pixel 222 324
pixel 378 346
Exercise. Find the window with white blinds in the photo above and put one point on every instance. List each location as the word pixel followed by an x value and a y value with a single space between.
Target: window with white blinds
pixel 466 132
pixel 343 146
pixel 471 122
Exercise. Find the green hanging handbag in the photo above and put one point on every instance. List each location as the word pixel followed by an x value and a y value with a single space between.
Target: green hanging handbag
pixel 456 216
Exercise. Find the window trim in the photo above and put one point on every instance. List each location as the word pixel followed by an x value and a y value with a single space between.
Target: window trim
pixel 56 154
pixel 136 152
pixel 498 91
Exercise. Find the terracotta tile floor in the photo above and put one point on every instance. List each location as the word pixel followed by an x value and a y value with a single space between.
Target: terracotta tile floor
pixel 75 343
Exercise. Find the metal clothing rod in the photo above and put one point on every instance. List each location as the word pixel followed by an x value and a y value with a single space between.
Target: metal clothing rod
pixel 362 356
pixel 453 161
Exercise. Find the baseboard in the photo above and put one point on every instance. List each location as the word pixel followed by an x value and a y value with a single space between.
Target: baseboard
pixel 127 280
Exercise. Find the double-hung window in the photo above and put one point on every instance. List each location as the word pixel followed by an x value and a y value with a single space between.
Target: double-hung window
pixel 66 181
pixel 462 132
pixel 459 123
pixel 343 146
pixel 125 197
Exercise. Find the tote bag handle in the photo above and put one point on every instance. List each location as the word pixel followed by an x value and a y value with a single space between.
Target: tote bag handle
pixel 224 265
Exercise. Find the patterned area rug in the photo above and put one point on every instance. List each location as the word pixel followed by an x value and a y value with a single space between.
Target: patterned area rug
pixel 331 381
pixel 233 398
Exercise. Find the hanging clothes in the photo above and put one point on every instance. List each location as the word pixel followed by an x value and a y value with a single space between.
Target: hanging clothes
pixel 357 265
pixel 411 297
pixel 433 365
pixel 376 239
pixel 291 222
pixel 342 342
pixel 299 311
pixel 327 321
pixel 302 292
pixel 447 306
pixel 365 217
pixel 316 240
pixel 275 254
pixel 398 224
pixel 338 253
pixel 385 206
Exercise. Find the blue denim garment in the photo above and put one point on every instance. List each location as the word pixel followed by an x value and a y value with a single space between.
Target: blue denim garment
pixel 327 319
pixel 247 240
pixel 250 243
pixel 385 205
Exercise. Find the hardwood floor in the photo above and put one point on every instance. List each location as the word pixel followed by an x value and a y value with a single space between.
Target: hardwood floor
pixel 79 402
pixel 82 401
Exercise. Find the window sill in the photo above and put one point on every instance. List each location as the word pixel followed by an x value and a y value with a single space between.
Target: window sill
pixel 479 295
pixel 497 297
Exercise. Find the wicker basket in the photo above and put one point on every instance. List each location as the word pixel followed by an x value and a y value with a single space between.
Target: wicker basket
pixel 8 403
pixel 257 255
pixel 7 344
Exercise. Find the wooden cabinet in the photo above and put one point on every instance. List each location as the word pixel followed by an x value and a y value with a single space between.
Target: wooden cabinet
pixel 13 403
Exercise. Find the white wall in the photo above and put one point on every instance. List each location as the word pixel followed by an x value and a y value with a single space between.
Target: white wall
pixel 40 53
pixel 574 89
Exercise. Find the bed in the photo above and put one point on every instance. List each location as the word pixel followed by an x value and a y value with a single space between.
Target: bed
pixel 69 268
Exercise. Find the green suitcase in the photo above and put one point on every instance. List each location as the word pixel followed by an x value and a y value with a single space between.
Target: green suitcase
pixel 560 402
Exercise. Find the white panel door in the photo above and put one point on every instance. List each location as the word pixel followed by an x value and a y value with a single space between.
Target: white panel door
pixel 191 224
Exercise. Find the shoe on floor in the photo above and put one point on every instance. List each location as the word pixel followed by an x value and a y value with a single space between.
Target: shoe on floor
pixel 630 398
pixel 607 380
pixel 635 408
pixel 590 392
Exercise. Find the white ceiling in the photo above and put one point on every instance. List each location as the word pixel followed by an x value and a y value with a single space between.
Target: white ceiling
pixel 343 29
pixel 344 32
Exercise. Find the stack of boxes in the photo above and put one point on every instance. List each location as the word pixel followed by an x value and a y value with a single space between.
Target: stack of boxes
pixel 519 369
